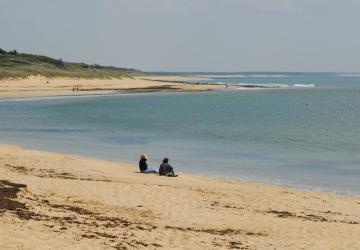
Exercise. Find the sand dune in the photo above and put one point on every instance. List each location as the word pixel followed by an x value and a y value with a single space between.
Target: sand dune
pixel 53 201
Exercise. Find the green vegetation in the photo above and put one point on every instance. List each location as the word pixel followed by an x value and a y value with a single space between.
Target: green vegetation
pixel 21 65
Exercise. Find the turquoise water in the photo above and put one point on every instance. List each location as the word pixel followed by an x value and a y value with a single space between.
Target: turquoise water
pixel 303 137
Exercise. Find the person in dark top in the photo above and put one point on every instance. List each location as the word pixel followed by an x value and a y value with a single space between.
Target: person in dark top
pixel 143 165
pixel 166 169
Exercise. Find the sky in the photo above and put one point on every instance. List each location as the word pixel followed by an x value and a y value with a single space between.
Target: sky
pixel 189 35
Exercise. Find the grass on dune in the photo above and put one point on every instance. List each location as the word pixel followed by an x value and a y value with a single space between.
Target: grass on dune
pixel 21 65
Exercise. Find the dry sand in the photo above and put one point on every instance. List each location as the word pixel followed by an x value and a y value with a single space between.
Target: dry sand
pixel 71 202
pixel 36 86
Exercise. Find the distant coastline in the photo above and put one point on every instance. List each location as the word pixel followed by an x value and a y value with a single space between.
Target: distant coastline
pixel 15 65
pixel 25 75
pixel 38 86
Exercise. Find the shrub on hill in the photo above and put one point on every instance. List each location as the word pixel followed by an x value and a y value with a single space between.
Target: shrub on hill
pixel 14 64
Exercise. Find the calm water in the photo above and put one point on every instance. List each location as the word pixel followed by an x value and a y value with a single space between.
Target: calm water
pixel 303 137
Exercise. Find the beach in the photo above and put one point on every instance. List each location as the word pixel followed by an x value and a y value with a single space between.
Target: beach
pixel 249 110
pixel 56 201
pixel 50 200
pixel 38 86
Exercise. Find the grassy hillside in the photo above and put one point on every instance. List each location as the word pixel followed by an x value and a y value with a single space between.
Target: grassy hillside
pixel 13 64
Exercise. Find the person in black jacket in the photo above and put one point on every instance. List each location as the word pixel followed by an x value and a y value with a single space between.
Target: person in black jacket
pixel 166 169
pixel 143 165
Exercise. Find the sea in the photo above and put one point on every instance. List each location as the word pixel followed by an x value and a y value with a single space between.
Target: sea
pixel 303 133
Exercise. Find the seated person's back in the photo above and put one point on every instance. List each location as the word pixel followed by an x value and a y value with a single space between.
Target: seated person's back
pixel 143 165
pixel 166 169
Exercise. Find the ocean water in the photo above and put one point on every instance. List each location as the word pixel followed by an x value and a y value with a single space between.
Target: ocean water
pixel 306 137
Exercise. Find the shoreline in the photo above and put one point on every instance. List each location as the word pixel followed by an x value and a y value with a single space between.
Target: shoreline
pixel 36 86
pixel 109 205
pixel 89 95
pixel 194 174
pixel 278 183
pixel 243 179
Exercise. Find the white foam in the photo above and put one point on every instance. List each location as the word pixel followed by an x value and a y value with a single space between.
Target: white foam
pixel 304 85
pixel 260 76
pixel 350 75
pixel 272 85
pixel 220 76
pixel 240 76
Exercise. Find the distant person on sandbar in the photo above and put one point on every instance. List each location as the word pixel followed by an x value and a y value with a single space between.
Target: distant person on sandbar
pixel 143 165
pixel 166 169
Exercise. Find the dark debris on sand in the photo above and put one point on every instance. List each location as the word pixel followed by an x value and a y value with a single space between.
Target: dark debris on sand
pixel 49 173
pixel 8 191
pixel 92 225
pixel 309 217
pixel 113 231
pixel 221 232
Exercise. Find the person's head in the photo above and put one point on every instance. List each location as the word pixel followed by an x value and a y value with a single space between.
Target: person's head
pixel 166 160
pixel 143 157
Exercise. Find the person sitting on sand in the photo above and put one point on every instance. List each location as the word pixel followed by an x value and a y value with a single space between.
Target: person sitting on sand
pixel 166 169
pixel 143 165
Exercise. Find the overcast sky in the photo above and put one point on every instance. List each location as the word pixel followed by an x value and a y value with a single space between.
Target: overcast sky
pixel 189 35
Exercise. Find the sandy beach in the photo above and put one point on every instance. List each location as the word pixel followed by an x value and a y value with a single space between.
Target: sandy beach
pixel 254 104
pixel 37 86
pixel 54 201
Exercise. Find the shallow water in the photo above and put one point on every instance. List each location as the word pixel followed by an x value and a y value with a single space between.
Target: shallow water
pixel 303 137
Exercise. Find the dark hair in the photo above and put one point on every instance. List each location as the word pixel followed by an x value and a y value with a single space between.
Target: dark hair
pixel 166 160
